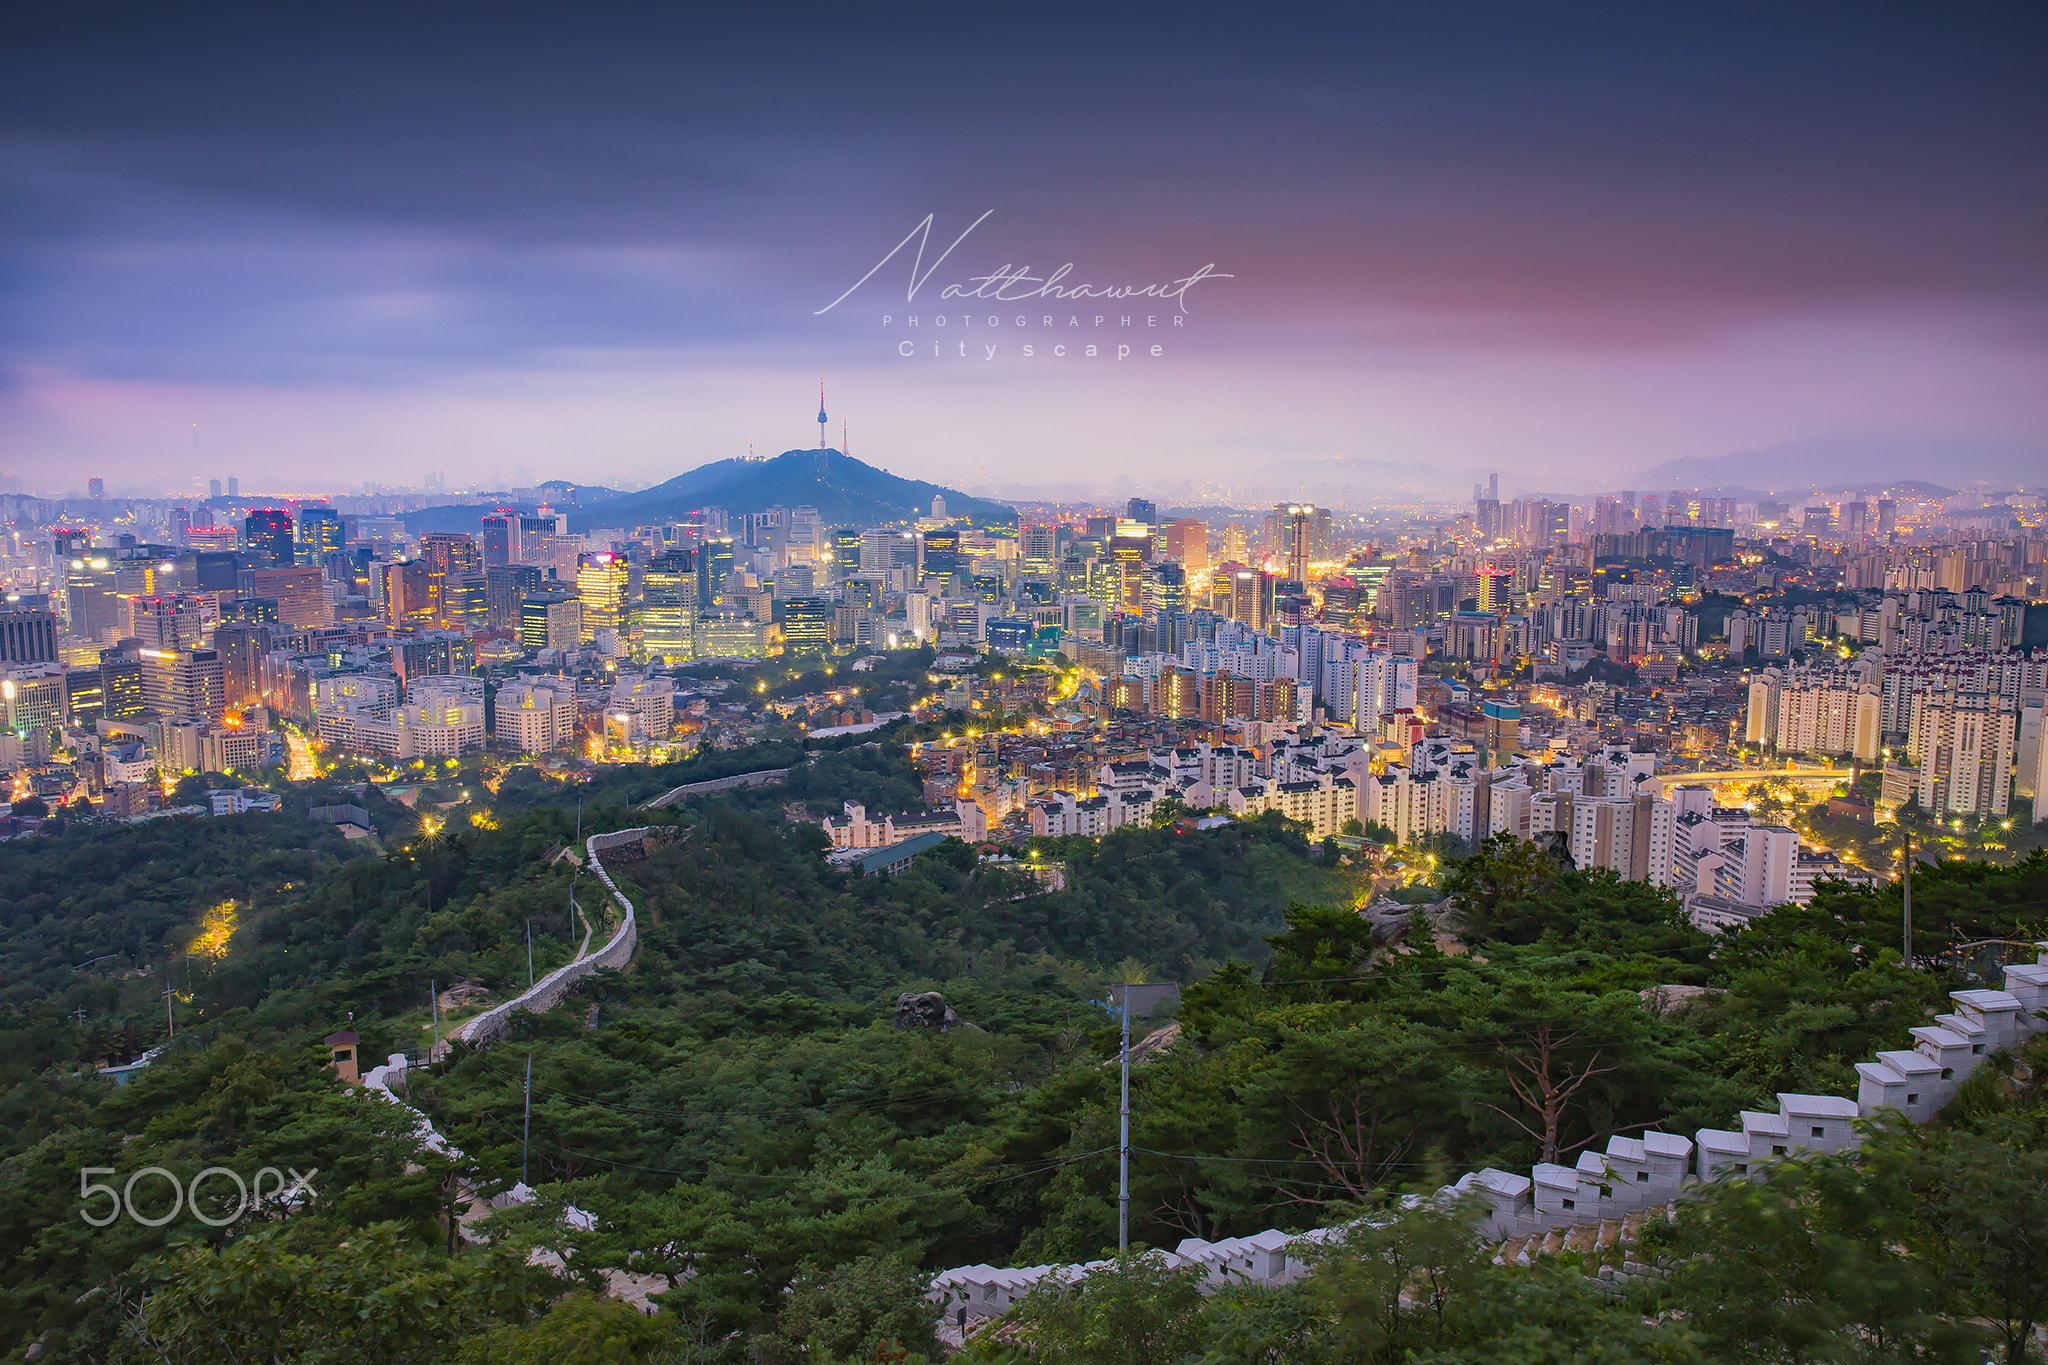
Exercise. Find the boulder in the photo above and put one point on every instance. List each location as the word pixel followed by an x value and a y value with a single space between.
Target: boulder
pixel 927 1009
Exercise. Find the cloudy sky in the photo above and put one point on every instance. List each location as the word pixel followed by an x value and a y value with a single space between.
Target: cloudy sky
pixel 518 242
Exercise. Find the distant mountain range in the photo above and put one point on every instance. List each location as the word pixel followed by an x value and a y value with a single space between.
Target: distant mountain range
pixel 1867 463
pixel 845 491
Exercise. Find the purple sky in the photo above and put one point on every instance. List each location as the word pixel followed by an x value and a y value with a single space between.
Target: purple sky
pixel 1567 241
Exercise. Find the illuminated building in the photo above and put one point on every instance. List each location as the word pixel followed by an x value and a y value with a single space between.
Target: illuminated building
pixel 535 717
pixel 504 585
pixel 551 620
pixel 267 534
pixel 845 552
pixel 942 552
pixel 225 539
pixel 601 581
pixel 1038 548
pixel 408 598
pixel 806 625
pixel 1187 542
pixel 319 534
pixel 301 594
pixel 183 682
pixel 668 594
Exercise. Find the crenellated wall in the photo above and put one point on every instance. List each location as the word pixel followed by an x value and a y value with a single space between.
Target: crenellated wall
pixel 546 993
pixel 1633 1174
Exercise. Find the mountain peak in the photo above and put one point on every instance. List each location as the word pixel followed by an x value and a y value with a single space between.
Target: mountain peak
pixel 845 490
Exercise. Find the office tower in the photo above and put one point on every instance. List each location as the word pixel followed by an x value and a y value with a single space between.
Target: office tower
pixel 183 683
pixel 465 600
pixel 714 566
pixel 234 487
pixel 1099 528
pixel 181 522
pixel 806 625
pixel 1037 550
pixel 845 552
pixel 550 620
pixel 220 539
pixel 162 622
pixel 1187 541
pixel 1140 509
pixel 267 536
pixel 668 595
pixel 96 488
pixel 300 591
pixel 121 683
pixel 452 553
pixel 241 647
pixel 407 600
pixel 504 585
pixel 212 489
pixel 601 583
pixel 1251 598
pixel 319 534
pixel 1297 543
pixel 1166 589
pixel 500 539
pixel 942 552
pixel 208 571
pixel 85 698
pixel 27 636
pixel 1887 518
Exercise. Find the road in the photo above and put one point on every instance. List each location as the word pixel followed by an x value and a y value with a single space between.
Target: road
pixel 302 769
pixel 1756 775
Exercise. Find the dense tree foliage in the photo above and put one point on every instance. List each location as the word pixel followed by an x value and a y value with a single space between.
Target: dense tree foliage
pixel 743 1121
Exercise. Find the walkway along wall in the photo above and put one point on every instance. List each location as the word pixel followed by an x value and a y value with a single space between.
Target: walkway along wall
pixel 547 992
pixel 1633 1174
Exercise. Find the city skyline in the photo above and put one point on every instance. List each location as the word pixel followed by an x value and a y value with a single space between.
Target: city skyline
pixel 1577 249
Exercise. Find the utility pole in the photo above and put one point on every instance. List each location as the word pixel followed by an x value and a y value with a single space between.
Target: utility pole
pixel 1132 997
pixel 526 1137
pixel 434 1005
pixel 1906 887
pixel 1123 1145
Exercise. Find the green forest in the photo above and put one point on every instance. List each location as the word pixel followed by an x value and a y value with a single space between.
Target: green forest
pixel 741 1120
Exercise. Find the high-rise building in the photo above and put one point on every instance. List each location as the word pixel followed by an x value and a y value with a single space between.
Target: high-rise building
pixel 1141 509
pixel 806 625
pixel 1187 542
pixel 234 487
pixel 601 583
pixel 1964 743
pixel 668 595
pixel 181 522
pixel 27 637
pixel 942 552
pixel 448 556
pixel 409 599
pixel 212 489
pixel 300 591
pixel 241 647
pixel 550 620
pixel 121 688
pixel 319 534
pixel 267 536
pixel 1038 548
pixel 845 552
pixel 218 539
pixel 183 683
pixel 96 488
pixel 504 585
pixel 501 539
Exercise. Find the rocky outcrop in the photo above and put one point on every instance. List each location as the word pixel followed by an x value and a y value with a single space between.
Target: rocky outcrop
pixel 927 1009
